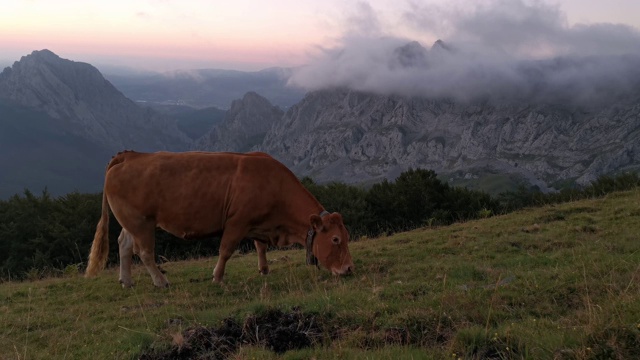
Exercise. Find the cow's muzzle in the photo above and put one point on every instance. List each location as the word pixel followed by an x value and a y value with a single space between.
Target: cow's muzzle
pixel 344 270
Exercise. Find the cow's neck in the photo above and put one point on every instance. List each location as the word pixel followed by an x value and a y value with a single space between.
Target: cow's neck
pixel 301 213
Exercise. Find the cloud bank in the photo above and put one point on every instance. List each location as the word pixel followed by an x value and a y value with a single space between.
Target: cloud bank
pixel 500 50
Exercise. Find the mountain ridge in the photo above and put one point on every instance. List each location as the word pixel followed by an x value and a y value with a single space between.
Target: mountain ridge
pixel 335 134
pixel 377 136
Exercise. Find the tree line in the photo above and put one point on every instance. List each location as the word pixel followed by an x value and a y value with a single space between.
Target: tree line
pixel 45 235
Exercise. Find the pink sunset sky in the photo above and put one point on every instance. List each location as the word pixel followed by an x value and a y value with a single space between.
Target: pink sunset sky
pixel 245 35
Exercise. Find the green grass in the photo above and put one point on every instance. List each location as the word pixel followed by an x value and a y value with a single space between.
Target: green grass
pixel 560 281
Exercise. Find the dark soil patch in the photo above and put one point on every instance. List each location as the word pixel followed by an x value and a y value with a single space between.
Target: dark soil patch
pixel 280 331
pixel 275 330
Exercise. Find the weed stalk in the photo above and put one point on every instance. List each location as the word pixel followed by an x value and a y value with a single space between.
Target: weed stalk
pixel 495 291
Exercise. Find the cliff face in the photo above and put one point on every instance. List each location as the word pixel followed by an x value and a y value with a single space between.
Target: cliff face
pixel 353 136
pixel 244 126
pixel 83 103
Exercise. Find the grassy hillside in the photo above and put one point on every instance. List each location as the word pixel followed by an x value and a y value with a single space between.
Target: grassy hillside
pixel 556 282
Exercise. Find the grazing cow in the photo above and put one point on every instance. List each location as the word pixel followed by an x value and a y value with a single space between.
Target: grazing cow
pixel 196 194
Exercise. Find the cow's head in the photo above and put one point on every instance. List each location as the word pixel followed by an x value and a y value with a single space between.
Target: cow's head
pixel 331 243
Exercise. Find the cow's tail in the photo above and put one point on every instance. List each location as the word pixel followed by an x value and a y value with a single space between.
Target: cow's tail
pixel 100 247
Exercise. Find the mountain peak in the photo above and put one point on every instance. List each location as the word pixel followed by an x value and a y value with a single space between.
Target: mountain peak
pixel 440 45
pixel 251 95
pixel 254 97
pixel 244 127
pixel 42 76
pixel 44 54
pixel 36 57
pixel 412 54
pixel 80 99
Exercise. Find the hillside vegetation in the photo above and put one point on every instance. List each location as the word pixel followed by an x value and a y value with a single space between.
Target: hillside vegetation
pixel 560 281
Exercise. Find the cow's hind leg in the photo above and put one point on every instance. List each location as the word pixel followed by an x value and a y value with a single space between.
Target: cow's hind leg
pixel 263 265
pixel 146 242
pixel 125 247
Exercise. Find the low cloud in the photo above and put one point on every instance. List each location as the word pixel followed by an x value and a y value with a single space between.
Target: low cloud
pixel 502 50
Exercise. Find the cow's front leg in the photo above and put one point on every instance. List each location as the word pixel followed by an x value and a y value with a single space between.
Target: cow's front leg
pixel 125 250
pixel 218 271
pixel 228 244
pixel 263 265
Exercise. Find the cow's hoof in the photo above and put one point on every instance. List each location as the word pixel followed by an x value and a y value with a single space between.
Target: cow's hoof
pixel 126 284
pixel 264 270
pixel 161 283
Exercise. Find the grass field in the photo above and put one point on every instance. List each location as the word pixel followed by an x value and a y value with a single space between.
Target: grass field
pixel 557 282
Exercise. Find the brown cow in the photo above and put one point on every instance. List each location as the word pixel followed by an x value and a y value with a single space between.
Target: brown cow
pixel 196 194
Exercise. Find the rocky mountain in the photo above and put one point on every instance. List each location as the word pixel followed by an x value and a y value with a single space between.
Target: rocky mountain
pixel 358 137
pixel 82 102
pixel 244 126
pixel 61 121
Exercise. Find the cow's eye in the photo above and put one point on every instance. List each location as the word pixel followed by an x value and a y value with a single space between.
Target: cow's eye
pixel 335 240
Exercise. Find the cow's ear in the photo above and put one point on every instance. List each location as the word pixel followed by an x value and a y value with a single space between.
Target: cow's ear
pixel 336 218
pixel 316 222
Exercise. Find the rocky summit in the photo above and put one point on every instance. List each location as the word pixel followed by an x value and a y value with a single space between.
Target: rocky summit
pixel 244 127
pixel 79 100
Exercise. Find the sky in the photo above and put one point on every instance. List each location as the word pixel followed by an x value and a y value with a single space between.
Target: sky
pixel 245 35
